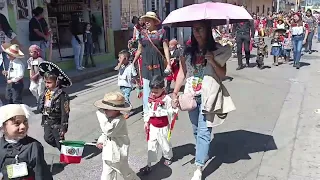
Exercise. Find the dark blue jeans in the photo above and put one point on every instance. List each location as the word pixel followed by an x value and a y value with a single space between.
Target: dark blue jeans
pixel 297 42
pixel 309 41
pixel 14 93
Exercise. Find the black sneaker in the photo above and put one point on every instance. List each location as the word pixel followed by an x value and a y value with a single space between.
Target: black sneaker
pixel 145 170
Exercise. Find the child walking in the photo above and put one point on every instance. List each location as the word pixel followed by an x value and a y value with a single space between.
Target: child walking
pixel 157 123
pixel 54 104
pixel 21 156
pixel 276 48
pixel 287 46
pixel 37 84
pixel 14 74
pixel 114 140
pixel 262 52
pixel 88 45
pixel 126 77
pixel 174 59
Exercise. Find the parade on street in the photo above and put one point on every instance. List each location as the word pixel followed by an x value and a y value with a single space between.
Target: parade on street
pixel 207 90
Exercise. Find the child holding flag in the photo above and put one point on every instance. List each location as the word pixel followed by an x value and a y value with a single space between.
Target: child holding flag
pixel 54 103
pixel 21 156
pixel 114 140
pixel 157 123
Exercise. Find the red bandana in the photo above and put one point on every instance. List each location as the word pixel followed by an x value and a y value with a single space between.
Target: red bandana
pixel 157 100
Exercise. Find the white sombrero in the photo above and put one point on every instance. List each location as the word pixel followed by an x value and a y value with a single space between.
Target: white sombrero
pixel 12 50
pixel 113 101
pixel 151 15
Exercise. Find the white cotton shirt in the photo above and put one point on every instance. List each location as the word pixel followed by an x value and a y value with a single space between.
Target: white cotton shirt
pixel 16 70
pixel 298 30
pixel 126 73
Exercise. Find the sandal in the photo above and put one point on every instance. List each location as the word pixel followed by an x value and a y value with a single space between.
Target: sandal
pixel 145 171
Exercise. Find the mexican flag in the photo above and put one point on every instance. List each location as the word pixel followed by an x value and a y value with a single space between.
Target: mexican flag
pixel 71 152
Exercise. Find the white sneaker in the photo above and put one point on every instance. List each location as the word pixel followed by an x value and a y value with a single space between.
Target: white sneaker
pixel 197 175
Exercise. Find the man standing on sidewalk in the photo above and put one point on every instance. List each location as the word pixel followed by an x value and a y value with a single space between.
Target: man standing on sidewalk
pixel 244 33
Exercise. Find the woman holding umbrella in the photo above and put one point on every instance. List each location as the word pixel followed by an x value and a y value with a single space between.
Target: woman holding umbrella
pixel 192 66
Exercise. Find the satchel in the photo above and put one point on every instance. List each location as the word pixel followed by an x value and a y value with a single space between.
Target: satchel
pixel 187 102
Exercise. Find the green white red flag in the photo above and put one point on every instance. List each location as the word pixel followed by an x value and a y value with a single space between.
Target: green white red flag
pixel 71 151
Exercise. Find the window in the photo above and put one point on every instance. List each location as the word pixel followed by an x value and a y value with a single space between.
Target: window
pixel 24 9
pixel 257 11
pixel 263 8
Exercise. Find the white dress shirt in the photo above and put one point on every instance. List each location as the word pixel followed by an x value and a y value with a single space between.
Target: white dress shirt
pixel 16 70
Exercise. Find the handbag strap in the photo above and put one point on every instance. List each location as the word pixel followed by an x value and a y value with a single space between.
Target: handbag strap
pixel 153 45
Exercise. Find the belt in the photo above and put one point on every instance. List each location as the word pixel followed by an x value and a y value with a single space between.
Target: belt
pixel 298 35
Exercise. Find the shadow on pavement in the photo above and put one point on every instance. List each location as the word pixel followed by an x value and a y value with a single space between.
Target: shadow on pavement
pixel 136 110
pixel 90 152
pixel 181 151
pixel 159 172
pixel 304 64
pixel 230 147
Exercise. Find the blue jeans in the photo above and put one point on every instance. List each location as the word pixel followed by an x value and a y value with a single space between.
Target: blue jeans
pixel 297 42
pixel 5 64
pixel 126 91
pixel 43 47
pixel 146 93
pixel 78 51
pixel 202 134
pixel 309 41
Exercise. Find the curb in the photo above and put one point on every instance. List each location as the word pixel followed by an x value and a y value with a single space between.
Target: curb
pixel 76 78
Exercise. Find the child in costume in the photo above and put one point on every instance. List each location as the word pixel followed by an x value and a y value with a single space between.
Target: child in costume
pixel 174 59
pixel 21 156
pixel 287 46
pixel 157 123
pixel 262 52
pixel 114 140
pixel 126 77
pixel 37 84
pixel 54 104
pixel 14 74
pixel 276 48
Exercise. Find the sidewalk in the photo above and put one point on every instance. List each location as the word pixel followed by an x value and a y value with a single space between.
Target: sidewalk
pixel 74 75
pixel 297 131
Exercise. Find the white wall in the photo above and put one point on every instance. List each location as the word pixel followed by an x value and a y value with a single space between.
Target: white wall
pixel 116 16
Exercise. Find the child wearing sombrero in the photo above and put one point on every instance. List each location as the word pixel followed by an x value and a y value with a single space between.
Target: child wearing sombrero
pixel 21 156
pixel 114 140
pixel 54 103
pixel 14 74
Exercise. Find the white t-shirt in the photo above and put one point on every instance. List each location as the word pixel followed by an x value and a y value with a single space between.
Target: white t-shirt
pixel 126 73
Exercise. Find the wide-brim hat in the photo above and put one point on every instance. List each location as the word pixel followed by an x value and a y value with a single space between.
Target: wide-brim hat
pixel 113 101
pixel 11 110
pixel 152 15
pixel 282 31
pixel 47 66
pixel 12 50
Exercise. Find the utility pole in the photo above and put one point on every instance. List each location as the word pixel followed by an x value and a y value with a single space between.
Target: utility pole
pixel 278 5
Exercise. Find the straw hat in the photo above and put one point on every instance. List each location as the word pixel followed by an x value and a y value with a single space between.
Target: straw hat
pixel 113 101
pixel 11 110
pixel 12 50
pixel 151 15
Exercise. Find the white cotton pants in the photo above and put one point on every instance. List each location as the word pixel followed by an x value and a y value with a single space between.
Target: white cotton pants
pixel 158 138
pixel 37 88
pixel 110 170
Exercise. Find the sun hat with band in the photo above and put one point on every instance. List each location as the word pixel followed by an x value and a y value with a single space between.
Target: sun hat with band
pixel 113 101
pixel 11 110
pixel 12 50
pixel 151 15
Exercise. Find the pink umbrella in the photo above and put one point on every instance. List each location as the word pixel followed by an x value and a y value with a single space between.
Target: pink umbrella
pixel 219 13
